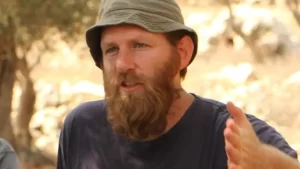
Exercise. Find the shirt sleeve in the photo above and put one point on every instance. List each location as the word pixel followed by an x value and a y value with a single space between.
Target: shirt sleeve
pixel 267 134
pixel 8 157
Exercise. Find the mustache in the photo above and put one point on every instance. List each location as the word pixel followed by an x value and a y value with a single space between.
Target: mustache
pixel 127 77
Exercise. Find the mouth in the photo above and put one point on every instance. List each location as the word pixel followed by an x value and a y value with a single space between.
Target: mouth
pixel 128 86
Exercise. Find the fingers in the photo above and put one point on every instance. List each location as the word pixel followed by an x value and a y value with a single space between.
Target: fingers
pixel 233 154
pixel 233 166
pixel 240 139
pixel 231 133
pixel 232 144
pixel 232 125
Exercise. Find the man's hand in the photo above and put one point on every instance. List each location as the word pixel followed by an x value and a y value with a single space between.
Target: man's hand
pixel 243 148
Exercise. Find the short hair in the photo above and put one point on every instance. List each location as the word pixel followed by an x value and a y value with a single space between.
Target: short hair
pixel 173 38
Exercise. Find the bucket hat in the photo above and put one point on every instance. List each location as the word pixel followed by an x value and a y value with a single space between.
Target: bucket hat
pixel 157 16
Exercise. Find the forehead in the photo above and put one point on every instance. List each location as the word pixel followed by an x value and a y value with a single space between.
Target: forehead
pixel 127 32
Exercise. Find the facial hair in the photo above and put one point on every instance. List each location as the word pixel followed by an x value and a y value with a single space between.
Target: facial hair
pixel 143 114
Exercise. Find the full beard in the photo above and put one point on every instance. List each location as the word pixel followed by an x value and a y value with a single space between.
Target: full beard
pixel 141 115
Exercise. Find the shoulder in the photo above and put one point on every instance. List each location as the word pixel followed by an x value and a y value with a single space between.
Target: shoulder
pixel 213 108
pixel 5 147
pixel 265 132
pixel 209 102
pixel 88 109
pixel 77 125
pixel 86 112
pixel 8 157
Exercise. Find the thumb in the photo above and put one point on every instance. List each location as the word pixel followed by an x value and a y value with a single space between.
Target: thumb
pixel 237 114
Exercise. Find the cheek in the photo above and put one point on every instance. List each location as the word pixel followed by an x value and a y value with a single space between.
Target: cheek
pixel 108 70
pixel 146 68
pixel 108 65
pixel 149 62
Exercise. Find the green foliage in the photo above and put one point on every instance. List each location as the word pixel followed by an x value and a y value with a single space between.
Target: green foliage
pixel 32 19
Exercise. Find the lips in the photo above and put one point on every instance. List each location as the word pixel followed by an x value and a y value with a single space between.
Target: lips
pixel 129 84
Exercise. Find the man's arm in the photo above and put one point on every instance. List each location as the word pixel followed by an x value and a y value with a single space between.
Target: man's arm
pixel 278 160
pixel 270 136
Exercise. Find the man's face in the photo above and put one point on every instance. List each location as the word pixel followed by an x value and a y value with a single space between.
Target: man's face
pixel 138 72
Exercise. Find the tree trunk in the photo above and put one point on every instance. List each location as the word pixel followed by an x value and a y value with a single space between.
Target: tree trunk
pixel 293 5
pixel 7 79
pixel 25 112
pixel 26 106
pixel 248 39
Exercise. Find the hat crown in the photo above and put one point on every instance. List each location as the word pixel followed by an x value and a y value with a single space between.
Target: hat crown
pixel 165 8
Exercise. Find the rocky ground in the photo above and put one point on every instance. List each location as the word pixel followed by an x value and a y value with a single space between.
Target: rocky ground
pixel 270 91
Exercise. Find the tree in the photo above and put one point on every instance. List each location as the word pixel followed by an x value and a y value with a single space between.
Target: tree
pixel 25 24
pixel 250 39
pixel 293 5
pixel 7 69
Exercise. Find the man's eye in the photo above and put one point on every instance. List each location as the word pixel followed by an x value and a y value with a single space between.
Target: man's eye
pixel 110 50
pixel 140 45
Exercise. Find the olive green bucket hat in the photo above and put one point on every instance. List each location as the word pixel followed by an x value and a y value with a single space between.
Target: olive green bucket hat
pixel 157 16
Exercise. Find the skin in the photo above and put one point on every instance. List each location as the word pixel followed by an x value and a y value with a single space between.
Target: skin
pixel 245 151
pixel 131 48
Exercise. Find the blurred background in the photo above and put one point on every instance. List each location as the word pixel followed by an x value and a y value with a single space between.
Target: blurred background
pixel 249 53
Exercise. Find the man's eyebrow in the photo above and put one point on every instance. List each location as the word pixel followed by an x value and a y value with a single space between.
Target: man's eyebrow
pixel 107 44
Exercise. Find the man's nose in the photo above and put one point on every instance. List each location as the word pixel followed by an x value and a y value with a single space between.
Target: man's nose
pixel 125 61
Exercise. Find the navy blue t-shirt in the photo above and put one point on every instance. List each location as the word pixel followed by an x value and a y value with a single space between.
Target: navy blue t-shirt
pixel 195 142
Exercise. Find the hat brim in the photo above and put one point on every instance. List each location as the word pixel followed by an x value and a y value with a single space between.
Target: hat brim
pixel 149 21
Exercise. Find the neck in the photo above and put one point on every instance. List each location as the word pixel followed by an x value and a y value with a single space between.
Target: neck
pixel 181 103
pixel 179 106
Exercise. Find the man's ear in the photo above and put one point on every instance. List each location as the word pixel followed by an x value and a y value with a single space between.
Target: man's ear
pixel 185 48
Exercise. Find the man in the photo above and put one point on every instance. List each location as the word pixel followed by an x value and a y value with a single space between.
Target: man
pixel 8 157
pixel 147 121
